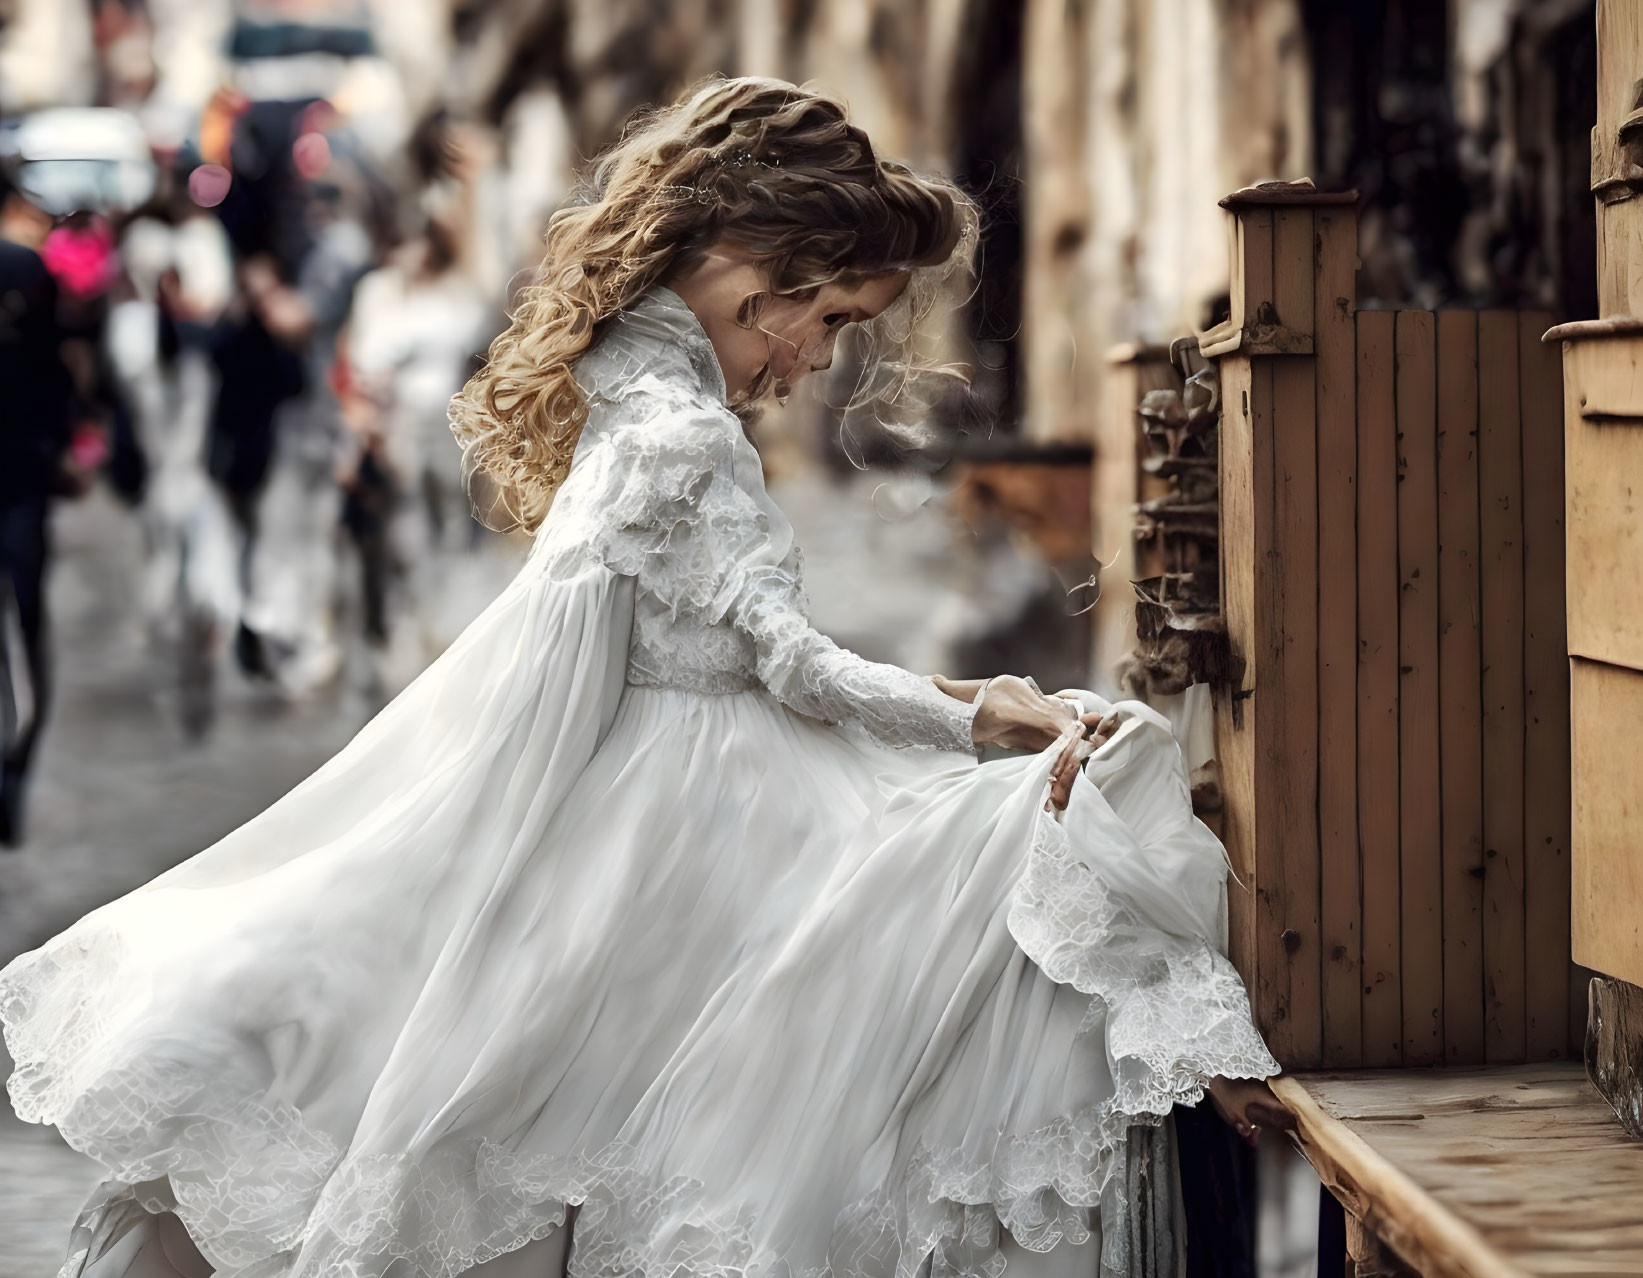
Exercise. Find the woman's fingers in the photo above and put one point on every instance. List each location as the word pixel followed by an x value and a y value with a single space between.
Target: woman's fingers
pixel 1065 771
pixel 1269 1111
pixel 1101 727
pixel 1248 1105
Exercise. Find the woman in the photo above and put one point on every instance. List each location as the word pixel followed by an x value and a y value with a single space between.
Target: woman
pixel 648 924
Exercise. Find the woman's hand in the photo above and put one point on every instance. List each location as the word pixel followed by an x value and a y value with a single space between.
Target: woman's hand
pixel 1100 731
pixel 1248 1104
pixel 1015 714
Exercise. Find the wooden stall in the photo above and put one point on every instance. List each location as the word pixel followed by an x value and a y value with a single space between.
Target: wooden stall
pixel 1420 831
pixel 1396 760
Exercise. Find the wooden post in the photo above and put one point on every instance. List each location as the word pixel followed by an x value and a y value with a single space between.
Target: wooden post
pixel 1369 1256
pixel 1056 368
pixel 1286 275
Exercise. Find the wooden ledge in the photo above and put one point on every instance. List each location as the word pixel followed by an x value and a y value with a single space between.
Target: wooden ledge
pixel 1582 330
pixel 1300 191
pixel 1502 1172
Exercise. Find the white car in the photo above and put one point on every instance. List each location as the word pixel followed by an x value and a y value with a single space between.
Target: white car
pixel 72 159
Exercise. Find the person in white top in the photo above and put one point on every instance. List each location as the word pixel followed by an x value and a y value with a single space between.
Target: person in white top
pixel 413 330
pixel 649 932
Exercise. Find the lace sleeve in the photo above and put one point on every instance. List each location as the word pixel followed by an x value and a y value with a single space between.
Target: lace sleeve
pixel 810 673
pixel 673 494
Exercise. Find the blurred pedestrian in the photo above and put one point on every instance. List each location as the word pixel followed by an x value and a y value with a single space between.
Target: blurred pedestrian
pixel 417 323
pixel 36 466
pixel 288 631
pixel 178 278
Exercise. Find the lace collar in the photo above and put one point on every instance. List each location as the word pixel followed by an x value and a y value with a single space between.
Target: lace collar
pixel 677 322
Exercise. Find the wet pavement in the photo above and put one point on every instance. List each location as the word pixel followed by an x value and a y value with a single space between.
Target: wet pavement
pixel 121 794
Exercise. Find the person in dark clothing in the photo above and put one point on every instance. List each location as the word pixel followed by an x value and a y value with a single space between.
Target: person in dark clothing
pixel 34 468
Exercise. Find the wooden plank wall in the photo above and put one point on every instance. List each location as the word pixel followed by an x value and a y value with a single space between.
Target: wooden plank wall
pixel 1375 854
pixel 1423 453
pixel 1340 878
pixel 1462 700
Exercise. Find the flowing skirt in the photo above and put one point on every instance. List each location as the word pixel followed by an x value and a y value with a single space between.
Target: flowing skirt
pixel 756 993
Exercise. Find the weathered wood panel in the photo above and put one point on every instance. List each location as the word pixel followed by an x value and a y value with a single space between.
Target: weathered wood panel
pixel 1605 534
pixel 1376 582
pixel 1608 815
pixel 1340 909
pixel 1460 710
pixel 1294 944
pixel 1274 853
pixel 1378 820
pixel 1293 261
pixel 1504 1171
pixel 1420 919
pixel 1546 698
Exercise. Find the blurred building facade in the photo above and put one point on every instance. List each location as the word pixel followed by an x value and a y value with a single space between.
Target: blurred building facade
pixel 1097 135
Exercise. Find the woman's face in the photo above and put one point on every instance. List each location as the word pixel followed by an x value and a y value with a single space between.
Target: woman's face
pixel 795 338
pixel 798 337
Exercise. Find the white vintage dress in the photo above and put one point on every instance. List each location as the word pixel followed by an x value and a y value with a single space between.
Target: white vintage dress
pixel 647 897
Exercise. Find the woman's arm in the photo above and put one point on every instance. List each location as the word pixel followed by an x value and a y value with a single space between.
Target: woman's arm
pixel 675 496
pixel 810 673
pixel 672 494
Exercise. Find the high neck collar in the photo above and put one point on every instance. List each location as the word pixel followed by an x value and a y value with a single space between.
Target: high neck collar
pixel 666 307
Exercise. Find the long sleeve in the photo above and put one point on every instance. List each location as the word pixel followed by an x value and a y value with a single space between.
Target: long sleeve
pixel 670 490
pixel 810 673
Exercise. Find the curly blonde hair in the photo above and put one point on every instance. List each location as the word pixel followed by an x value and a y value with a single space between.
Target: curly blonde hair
pixel 772 167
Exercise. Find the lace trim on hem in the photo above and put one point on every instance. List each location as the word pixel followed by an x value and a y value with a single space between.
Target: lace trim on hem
pixel 1174 1010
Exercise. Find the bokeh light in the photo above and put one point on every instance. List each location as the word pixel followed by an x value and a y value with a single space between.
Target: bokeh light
pixel 208 185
